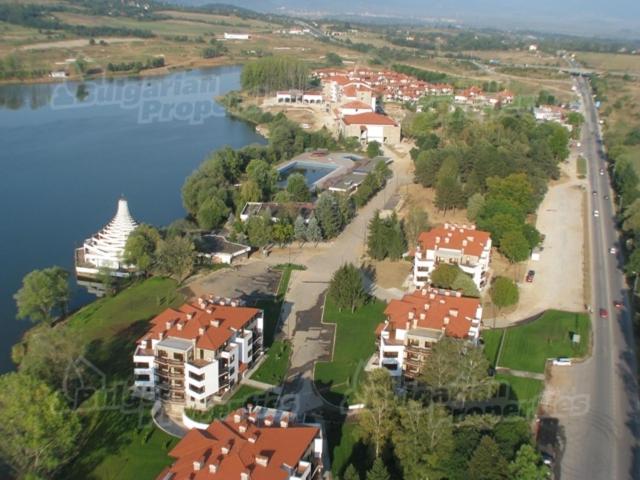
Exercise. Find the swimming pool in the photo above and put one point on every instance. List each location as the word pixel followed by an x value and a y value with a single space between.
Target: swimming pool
pixel 313 172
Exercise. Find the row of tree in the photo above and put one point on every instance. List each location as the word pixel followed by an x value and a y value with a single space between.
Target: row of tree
pixel 268 74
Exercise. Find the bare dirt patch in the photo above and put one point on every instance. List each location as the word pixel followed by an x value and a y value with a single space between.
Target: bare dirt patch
pixel 391 274
pixel 418 196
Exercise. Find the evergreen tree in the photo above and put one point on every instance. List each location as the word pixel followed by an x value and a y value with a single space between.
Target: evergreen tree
pixel 416 222
pixel 378 471
pixel 346 288
pixel 465 284
pixel 527 466
pixel 300 229
pixel 487 463
pixel 350 473
pixel 449 194
pixel 314 234
pixel 474 206
pixel 328 215
pixel 376 242
pixel 444 275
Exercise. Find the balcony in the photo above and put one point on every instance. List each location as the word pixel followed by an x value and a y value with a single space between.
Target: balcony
pixel 168 361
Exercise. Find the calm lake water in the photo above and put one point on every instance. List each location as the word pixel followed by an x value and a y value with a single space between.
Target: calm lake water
pixel 68 151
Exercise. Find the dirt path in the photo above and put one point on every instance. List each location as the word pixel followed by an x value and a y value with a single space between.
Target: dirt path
pixel 81 42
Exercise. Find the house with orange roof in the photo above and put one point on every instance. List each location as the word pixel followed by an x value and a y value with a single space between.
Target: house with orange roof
pixel 461 245
pixel 414 324
pixel 194 354
pixel 253 443
pixel 369 127
pixel 354 108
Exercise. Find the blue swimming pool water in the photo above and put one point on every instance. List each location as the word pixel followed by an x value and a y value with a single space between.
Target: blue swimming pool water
pixel 312 172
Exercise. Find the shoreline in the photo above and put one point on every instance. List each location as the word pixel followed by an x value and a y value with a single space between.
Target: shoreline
pixel 151 72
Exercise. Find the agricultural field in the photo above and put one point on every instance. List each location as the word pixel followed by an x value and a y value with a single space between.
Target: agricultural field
pixel 610 62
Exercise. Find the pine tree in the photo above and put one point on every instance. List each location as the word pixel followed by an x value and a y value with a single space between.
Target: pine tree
pixel 300 230
pixel 351 473
pixel 314 234
pixel 487 463
pixel 376 241
pixel 346 288
pixel 328 214
pixel 378 471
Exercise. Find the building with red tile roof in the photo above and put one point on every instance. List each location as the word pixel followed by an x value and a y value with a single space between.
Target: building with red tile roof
pixel 415 323
pixel 462 245
pixel 249 444
pixel 194 354
pixel 370 126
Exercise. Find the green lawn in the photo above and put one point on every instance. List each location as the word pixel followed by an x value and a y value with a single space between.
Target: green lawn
pixel 526 391
pixel 491 344
pixel 343 451
pixel 528 346
pixel 354 344
pixel 275 366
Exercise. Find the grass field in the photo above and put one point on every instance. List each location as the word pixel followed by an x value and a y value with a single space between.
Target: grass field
pixel 527 347
pixel 610 61
pixel 354 344
pixel 274 368
pixel 526 391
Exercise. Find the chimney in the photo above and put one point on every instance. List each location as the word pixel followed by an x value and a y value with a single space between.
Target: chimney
pixel 432 296
pixel 160 335
pixel 464 243
pixel 437 239
pixel 225 448
pixel 445 321
pixel 179 326
pixel 446 240
pixel 213 467
pixel 209 311
pixel 426 306
pixel 284 421
pixel 268 421
pixel 254 438
pixel 215 323
pixel 237 417
pixel 446 226
pixel 424 292
pixel 262 460
pixel 242 428
pixel 423 316
pixel 415 323
pixel 144 344
pixel 167 325
pixel 197 465
pixel 458 294
pixel 189 315
pixel 201 331
pixel 453 312
pixel 407 326
pixel 244 475
pixel 470 238
pixel 412 314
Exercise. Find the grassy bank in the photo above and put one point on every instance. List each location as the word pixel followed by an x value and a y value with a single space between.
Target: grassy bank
pixel 528 346
pixel 355 342
pixel 526 391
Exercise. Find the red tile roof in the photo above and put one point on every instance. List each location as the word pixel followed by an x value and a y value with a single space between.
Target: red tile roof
pixel 356 104
pixel 230 449
pixel 440 309
pixel 210 327
pixel 464 238
pixel 368 118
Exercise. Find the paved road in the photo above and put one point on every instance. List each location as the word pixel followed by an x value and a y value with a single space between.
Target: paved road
pixel 600 418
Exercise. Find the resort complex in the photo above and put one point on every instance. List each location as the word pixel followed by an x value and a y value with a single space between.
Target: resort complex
pixel 104 251
pixel 192 356
pixel 253 443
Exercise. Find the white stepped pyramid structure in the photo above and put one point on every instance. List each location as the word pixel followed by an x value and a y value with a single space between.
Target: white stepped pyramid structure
pixel 105 249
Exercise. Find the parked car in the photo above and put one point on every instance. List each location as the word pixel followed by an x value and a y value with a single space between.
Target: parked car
pixel 595 192
pixel 603 313
pixel 617 304
pixel 602 171
pixel 613 250
pixel 530 275
pixel 562 361
pixel 596 213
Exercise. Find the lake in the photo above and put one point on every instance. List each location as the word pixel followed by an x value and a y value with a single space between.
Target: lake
pixel 69 151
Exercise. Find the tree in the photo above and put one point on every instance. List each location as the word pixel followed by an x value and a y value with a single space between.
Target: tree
pixel 378 471
pixel 444 275
pixel 314 234
pixel 42 293
pixel 300 230
pixel 515 246
pixel 449 194
pixel 422 439
pixel 297 188
pixel 487 463
pixel 328 215
pixel 460 369
pixel 376 247
pixel 350 473
pixel 346 288
pixel 140 248
pixel 47 352
pixel 176 258
pixel 263 175
pixel 465 284
pixel 373 149
pixel 632 217
pixel 510 434
pixel 249 192
pixel 212 213
pixel 504 292
pixel 332 59
pixel 515 189
pixel 376 418
pixel 474 206
pixel 526 465
pixel 632 267
pixel 416 222
pixel 38 432
pixel 259 230
pixel 283 232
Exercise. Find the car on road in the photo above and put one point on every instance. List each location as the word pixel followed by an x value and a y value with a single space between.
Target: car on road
pixel 604 313
pixel 617 304
pixel 595 192
pixel 606 197
pixel 547 459
pixel 613 250
pixel 530 276
pixel 602 171
pixel 596 213
pixel 562 362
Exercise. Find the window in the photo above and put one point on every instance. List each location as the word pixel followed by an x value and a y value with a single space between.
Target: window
pixel 142 378
pixel 178 356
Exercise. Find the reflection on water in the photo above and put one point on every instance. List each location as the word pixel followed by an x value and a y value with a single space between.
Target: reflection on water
pixel 15 97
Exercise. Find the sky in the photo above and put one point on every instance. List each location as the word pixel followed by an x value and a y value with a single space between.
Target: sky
pixel 617 18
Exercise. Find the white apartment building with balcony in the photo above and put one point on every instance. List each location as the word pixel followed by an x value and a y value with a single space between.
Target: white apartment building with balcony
pixel 250 443
pixel 418 321
pixel 191 356
pixel 461 245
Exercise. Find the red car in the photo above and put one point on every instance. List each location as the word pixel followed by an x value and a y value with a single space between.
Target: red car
pixel 617 304
pixel 604 313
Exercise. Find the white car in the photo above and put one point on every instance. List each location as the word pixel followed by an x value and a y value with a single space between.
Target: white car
pixel 613 250
pixel 596 213
pixel 562 361
pixel 602 171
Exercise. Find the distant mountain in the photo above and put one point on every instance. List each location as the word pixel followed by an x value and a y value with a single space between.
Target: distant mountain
pixel 613 17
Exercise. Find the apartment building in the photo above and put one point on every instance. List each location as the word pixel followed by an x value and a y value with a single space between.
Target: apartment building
pixel 414 324
pixel 462 245
pixel 254 443
pixel 191 356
